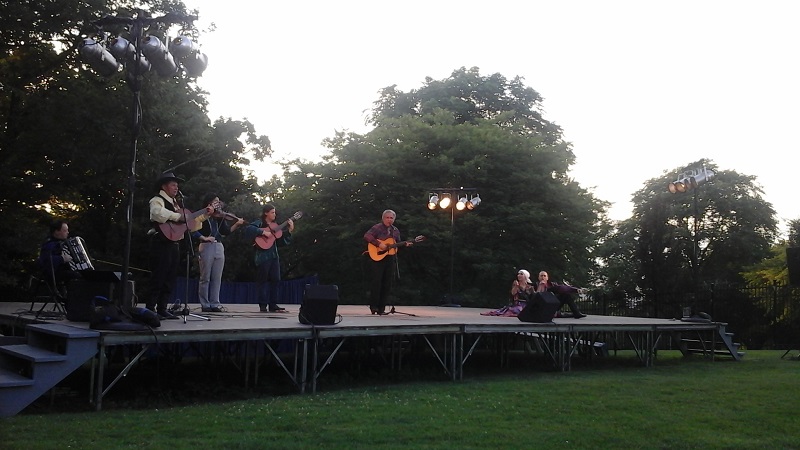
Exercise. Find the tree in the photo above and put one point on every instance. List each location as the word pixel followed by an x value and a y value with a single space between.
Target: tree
pixel 468 130
pixel 66 138
pixel 690 241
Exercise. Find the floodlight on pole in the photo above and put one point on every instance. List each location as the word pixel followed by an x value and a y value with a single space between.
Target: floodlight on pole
pixel 442 198
pixel 691 180
pixel 136 53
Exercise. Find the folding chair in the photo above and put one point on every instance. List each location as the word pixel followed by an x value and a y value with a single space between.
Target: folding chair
pixel 45 291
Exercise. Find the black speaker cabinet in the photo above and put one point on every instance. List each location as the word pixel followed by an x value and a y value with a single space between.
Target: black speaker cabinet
pixel 80 296
pixel 81 293
pixel 540 309
pixel 320 303
pixel 793 264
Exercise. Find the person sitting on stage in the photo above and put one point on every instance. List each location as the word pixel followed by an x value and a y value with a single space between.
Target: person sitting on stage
pixel 563 293
pixel 54 260
pixel 521 291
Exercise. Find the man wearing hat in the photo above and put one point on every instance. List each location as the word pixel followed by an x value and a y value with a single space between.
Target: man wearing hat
pixel 170 219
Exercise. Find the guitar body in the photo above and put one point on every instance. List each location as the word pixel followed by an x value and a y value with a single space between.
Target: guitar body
pixel 266 242
pixel 391 247
pixel 174 231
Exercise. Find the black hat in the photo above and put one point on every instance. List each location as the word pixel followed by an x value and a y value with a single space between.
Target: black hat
pixel 167 177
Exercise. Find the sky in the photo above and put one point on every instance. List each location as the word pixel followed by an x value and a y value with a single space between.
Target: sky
pixel 638 87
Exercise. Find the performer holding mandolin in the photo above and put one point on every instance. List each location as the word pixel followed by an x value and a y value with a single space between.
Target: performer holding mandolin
pixel 267 235
pixel 171 221
pixel 383 240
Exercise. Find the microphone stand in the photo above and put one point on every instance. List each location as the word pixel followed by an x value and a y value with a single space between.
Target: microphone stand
pixel 189 255
pixel 397 272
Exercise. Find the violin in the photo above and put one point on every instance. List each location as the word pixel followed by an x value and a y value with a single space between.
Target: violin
pixel 225 215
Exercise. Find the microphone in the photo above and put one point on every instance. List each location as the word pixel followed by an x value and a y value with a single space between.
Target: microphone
pixel 180 194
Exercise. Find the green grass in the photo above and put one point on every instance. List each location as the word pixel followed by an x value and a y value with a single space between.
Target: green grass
pixel 679 403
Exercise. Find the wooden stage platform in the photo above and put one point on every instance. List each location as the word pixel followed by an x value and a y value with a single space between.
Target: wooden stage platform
pixel 452 334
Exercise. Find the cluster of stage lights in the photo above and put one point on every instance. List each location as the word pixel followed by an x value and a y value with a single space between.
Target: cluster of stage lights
pixel 444 200
pixel 691 179
pixel 165 60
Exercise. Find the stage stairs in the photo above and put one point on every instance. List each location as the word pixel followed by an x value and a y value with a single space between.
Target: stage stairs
pixel 32 365
pixel 709 343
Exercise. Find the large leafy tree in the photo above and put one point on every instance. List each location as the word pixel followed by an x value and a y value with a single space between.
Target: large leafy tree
pixel 469 130
pixel 686 242
pixel 67 134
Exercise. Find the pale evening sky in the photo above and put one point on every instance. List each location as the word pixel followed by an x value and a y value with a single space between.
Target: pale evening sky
pixel 639 87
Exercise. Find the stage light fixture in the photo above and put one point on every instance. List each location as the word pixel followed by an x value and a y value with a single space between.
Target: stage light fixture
pixel 702 176
pixel 445 201
pixel 195 64
pixel 181 47
pixel 678 186
pixel 159 57
pixel 474 202
pixel 432 201
pixel 98 57
pixel 461 203
pixel 125 52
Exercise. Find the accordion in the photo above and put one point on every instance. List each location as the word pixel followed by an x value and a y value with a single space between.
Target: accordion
pixel 75 247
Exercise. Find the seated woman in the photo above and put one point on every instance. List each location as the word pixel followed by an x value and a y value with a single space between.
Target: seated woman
pixel 521 291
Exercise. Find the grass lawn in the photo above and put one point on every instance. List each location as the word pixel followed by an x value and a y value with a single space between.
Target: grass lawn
pixel 679 403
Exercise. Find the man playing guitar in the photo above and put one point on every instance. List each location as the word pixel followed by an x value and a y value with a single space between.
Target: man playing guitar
pixel 381 235
pixel 165 212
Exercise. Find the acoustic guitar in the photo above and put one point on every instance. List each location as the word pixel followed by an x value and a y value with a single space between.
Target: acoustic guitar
pixel 174 231
pixel 391 247
pixel 266 242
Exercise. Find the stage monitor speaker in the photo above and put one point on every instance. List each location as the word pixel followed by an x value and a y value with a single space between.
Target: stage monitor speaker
pixel 81 294
pixel 320 303
pixel 540 309
pixel 793 264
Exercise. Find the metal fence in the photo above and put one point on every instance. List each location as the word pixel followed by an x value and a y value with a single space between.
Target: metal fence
pixel 761 317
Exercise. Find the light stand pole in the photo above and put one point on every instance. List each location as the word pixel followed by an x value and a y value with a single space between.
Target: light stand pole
pixel 106 64
pixel 442 198
pixel 692 180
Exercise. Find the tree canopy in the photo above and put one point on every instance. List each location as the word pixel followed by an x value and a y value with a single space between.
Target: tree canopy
pixel 469 130
pixel 67 134
pixel 688 241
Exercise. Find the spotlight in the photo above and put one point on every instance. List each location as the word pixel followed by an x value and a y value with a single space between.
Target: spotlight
pixel 462 203
pixel 445 201
pixel 124 51
pixel 701 177
pixel 433 201
pixel 474 202
pixel 181 47
pixel 98 57
pixel 195 64
pixel 678 186
pixel 159 57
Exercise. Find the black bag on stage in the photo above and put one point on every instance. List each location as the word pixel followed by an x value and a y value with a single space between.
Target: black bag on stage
pixel 540 309
pixel 319 306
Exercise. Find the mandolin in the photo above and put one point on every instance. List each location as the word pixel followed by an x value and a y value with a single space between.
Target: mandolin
pixel 266 242
pixel 391 247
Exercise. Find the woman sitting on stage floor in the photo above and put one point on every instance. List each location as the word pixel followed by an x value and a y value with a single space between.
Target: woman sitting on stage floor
pixel 521 291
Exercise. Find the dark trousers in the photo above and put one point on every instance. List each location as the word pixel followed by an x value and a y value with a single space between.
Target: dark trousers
pixel 268 274
pixel 382 280
pixel 569 301
pixel 165 257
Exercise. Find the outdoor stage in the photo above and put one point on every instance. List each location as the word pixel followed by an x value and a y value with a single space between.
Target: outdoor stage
pixel 451 335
